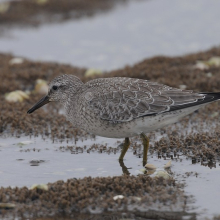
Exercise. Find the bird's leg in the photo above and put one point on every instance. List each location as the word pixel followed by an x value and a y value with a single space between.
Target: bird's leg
pixel 125 148
pixel 124 168
pixel 145 141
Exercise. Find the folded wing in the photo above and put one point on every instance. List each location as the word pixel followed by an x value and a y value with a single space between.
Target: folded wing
pixel 124 99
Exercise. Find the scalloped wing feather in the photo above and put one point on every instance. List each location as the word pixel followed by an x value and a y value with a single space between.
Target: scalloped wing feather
pixel 124 99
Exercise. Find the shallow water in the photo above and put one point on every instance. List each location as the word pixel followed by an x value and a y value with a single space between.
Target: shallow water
pixel 123 36
pixel 16 169
pixel 19 167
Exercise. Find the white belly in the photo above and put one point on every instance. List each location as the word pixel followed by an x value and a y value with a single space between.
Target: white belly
pixel 142 124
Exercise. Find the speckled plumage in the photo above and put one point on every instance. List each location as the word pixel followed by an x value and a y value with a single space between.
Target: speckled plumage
pixel 125 99
pixel 122 107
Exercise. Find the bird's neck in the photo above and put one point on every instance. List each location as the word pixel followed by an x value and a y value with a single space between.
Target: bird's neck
pixel 71 105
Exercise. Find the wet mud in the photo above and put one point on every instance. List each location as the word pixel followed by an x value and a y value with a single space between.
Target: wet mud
pixel 97 195
pixel 192 141
pixel 39 12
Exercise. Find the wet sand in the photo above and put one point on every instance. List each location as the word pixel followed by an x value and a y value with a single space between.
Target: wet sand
pixel 195 138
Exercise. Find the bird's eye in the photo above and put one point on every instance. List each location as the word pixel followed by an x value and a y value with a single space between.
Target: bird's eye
pixel 54 87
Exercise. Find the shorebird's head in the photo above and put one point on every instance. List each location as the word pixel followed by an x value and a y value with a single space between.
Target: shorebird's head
pixel 60 88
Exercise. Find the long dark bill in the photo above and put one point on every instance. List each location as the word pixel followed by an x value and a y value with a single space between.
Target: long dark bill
pixel 39 104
